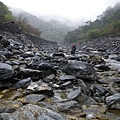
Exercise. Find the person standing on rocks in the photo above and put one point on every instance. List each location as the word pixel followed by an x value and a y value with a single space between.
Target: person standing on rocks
pixel 73 49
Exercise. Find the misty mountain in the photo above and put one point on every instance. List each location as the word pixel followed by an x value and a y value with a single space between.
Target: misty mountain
pixel 106 24
pixel 52 30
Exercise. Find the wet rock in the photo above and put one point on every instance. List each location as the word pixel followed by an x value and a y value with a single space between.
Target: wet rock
pixel 102 117
pixel 34 98
pixel 5 116
pixel 113 101
pixel 74 94
pixel 24 83
pixel 67 106
pixel 58 55
pixel 117 81
pixel 113 63
pixel 49 78
pixel 39 88
pixel 67 78
pixel 103 67
pixel 15 62
pixel 84 88
pixel 7 110
pixel 27 54
pixel 99 90
pixel 47 105
pixel 65 84
pixel 106 79
pixel 2 56
pixel 6 71
pixel 79 69
pixel 118 58
pixel 85 58
pixel 90 116
pixel 73 58
pixel 34 74
pixel 9 106
pixel 86 100
pixel 34 112
pixel 95 59
pixel 8 54
pixel 117 118
pixel 47 68
pixel 4 42
pixel 5 84
pixel 101 50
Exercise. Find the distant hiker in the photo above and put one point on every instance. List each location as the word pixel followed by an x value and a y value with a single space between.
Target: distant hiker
pixel 73 49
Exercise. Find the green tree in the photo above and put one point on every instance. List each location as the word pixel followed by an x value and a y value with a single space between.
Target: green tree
pixel 5 14
pixel 27 27
pixel 106 24
pixel 117 27
pixel 92 34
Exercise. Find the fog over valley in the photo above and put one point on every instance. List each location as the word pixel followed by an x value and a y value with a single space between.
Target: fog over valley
pixel 71 12
pixel 60 60
pixel 54 19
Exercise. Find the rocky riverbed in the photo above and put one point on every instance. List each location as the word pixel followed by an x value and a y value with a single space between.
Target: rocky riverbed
pixel 45 82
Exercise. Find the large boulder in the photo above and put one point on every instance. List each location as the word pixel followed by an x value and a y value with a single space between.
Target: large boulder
pixel 6 71
pixel 40 87
pixel 34 98
pixel 35 112
pixel 79 69
pixel 67 105
pixel 47 68
pixel 23 83
pixel 34 74
pixel 74 94
pixel 113 101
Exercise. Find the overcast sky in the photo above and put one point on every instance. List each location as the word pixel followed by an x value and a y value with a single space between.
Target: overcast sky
pixel 71 9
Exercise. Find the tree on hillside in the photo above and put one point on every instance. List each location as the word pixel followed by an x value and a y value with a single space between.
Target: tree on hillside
pixel 106 24
pixel 5 14
pixel 27 27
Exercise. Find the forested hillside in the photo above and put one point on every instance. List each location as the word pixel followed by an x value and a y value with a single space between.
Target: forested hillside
pixel 9 20
pixel 5 13
pixel 52 30
pixel 106 24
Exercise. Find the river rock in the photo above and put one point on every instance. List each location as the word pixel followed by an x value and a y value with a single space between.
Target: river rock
pixel 34 98
pixel 6 71
pixel 113 101
pixel 78 69
pixel 67 106
pixel 67 78
pixel 24 83
pixel 47 68
pixel 34 74
pixel 35 112
pixel 39 88
pixel 74 94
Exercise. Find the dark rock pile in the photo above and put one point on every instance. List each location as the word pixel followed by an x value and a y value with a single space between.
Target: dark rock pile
pixel 10 27
pixel 105 44
pixel 44 82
